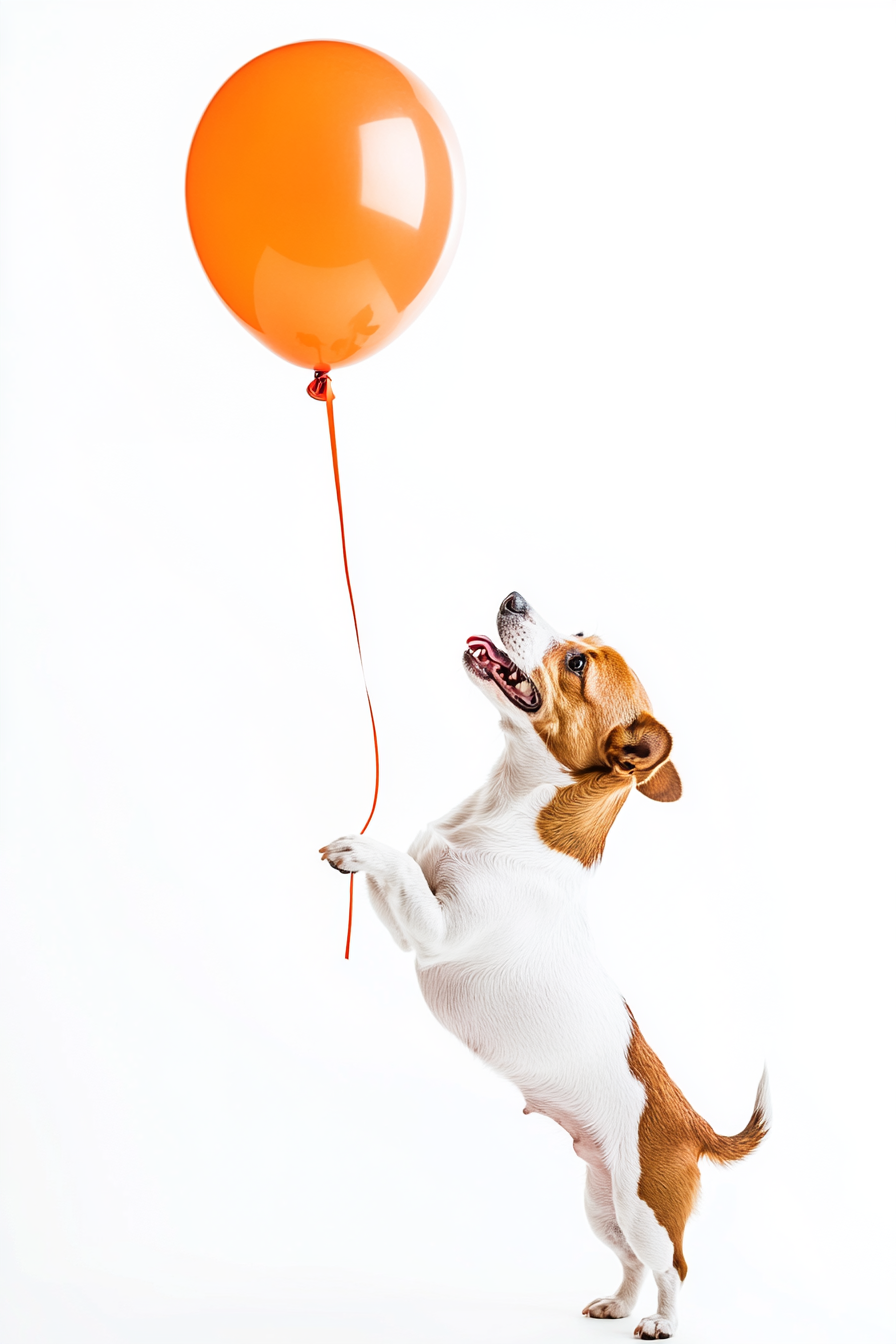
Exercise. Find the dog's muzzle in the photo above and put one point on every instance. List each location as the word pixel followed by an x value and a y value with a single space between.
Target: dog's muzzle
pixel 486 661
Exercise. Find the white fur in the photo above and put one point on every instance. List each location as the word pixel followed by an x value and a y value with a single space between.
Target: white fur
pixel 507 962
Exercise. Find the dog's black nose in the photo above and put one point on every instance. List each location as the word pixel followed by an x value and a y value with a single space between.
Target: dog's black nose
pixel 515 602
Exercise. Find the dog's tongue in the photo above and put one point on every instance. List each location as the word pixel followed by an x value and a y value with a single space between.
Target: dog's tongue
pixel 502 670
pixel 486 651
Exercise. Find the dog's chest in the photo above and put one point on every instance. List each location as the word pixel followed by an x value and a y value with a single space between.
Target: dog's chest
pixel 518 979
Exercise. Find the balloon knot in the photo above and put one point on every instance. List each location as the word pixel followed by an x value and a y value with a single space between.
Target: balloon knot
pixel 317 388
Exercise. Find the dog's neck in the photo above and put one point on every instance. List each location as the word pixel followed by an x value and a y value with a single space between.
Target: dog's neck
pixel 525 765
pixel 524 768
pixel 572 816
pixel 575 815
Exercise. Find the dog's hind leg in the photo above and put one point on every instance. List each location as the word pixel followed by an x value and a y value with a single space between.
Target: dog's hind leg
pixel 601 1214
pixel 664 1322
pixel 658 1245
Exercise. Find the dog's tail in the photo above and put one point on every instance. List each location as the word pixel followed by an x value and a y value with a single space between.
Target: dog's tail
pixel 721 1148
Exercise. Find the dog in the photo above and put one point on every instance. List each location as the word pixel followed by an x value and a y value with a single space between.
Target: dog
pixel 491 900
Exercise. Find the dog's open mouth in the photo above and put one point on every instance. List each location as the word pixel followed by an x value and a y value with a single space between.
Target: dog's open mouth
pixel 485 660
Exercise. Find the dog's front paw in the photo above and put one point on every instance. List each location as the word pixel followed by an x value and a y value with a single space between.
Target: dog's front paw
pixel 350 854
pixel 608 1308
pixel 655 1327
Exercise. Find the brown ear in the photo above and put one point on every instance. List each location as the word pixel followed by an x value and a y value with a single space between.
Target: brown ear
pixel 638 748
pixel 642 750
pixel 663 786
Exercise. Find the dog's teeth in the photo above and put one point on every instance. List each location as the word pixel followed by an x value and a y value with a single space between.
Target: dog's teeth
pixel 526 686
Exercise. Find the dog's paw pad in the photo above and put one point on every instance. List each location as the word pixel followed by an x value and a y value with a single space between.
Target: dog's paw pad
pixel 607 1309
pixel 655 1327
pixel 348 854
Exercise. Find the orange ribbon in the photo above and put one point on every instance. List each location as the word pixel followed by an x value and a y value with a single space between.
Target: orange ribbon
pixel 321 388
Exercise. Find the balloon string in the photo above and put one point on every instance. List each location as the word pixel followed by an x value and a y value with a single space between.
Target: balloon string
pixel 348 583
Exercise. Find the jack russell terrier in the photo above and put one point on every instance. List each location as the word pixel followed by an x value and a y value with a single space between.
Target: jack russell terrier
pixel 492 901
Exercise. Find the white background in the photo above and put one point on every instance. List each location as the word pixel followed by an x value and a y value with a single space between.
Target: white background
pixel 655 395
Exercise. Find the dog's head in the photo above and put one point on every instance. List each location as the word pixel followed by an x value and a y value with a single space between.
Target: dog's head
pixel 590 712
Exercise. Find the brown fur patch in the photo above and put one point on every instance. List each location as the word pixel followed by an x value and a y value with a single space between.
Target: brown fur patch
pixel 671 1139
pixel 577 820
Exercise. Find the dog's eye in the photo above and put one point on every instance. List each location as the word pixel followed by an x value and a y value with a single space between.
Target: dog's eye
pixel 576 662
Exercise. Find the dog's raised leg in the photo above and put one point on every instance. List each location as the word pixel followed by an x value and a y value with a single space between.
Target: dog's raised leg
pixel 602 1217
pixel 399 892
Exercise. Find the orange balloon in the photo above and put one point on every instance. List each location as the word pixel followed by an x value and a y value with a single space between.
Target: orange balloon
pixel 324 194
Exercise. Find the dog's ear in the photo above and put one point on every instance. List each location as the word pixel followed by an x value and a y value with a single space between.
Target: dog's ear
pixel 641 749
pixel 664 786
